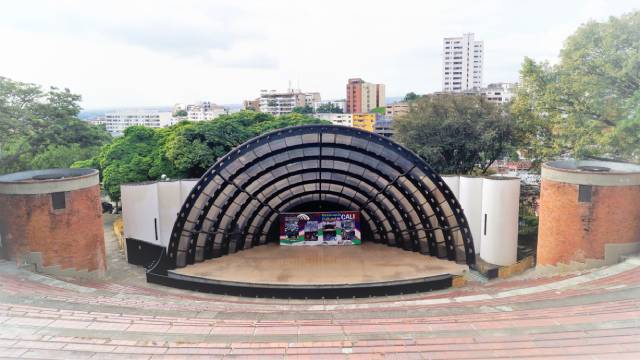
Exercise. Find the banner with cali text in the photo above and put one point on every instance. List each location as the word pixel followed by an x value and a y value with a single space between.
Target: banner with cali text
pixel 320 228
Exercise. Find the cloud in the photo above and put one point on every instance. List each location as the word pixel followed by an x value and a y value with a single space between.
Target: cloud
pixel 152 52
pixel 191 30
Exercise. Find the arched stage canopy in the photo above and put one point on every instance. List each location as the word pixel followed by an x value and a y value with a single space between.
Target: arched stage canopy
pixel 235 204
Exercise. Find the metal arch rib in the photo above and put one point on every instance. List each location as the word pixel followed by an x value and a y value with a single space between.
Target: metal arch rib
pixel 187 209
pixel 425 192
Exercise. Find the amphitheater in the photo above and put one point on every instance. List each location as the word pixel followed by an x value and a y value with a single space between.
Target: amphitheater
pixel 118 310
pixel 590 314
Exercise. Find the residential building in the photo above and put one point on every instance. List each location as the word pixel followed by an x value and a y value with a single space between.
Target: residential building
pixel 336 118
pixel 397 109
pixel 204 110
pixel 117 121
pixel 279 103
pixel 203 115
pixel 251 104
pixel 365 121
pixel 362 96
pixel 340 104
pixel 462 63
pixel 499 93
pixel 384 126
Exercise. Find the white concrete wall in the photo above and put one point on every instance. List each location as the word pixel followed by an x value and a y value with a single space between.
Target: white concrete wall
pixel 500 205
pixel 142 203
pixel 453 181
pixel 470 199
pixel 139 209
pixel 170 200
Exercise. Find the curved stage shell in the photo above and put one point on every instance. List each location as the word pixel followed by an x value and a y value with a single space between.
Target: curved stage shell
pixel 235 204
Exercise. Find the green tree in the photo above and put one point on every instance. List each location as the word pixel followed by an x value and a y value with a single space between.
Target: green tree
pixel 38 126
pixel 61 156
pixel 411 97
pixel 329 108
pixel 186 149
pixel 127 159
pixel 181 113
pixel 380 110
pixel 303 109
pixel 588 103
pixel 456 134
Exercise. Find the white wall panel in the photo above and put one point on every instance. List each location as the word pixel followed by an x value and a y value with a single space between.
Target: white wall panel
pixel 500 206
pixel 453 181
pixel 139 210
pixel 170 200
pixel 142 204
pixel 470 199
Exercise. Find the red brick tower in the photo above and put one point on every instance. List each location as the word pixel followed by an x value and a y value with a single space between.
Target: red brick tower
pixel 55 213
pixel 589 210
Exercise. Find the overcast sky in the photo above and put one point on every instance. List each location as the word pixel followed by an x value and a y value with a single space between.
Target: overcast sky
pixel 151 53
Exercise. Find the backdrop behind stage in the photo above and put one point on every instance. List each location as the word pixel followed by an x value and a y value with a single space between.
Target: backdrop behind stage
pixel 320 228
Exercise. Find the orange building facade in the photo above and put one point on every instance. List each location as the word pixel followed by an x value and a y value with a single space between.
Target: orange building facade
pixel 362 96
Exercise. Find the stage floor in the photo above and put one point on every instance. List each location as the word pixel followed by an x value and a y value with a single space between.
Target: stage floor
pixel 321 265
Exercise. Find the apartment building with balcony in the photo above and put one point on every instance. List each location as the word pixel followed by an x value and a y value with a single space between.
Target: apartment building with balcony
pixel 397 109
pixel 366 121
pixel 280 103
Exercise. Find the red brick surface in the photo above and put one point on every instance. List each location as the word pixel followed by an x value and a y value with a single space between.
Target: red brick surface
pixel 71 238
pixel 573 231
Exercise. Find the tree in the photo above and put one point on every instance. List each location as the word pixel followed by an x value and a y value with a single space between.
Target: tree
pixel 456 133
pixel 380 110
pixel 411 97
pixel 587 104
pixel 127 159
pixel 37 128
pixel 181 113
pixel 186 149
pixel 303 109
pixel 329 108
pixel 61 156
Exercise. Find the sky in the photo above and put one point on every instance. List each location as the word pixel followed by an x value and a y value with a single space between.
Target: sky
pixel 158 53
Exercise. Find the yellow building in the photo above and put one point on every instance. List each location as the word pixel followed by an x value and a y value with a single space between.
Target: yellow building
pixel 365 121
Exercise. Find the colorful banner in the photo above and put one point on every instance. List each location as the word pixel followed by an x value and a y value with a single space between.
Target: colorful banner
pixel 320 228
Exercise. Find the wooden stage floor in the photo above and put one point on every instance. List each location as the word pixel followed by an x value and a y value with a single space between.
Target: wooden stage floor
pixel 318 265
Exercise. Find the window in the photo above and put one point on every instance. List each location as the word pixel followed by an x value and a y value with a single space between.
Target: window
pixel 584 193
pixel 58 200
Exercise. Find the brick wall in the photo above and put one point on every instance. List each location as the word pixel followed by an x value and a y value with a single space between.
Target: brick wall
pixel 574 231
pixel 71 238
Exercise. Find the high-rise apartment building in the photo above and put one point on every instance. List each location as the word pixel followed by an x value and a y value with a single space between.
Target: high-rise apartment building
pixel 362 96
pixel 462 61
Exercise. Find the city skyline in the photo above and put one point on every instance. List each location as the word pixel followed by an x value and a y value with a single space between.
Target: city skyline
pixel 122 56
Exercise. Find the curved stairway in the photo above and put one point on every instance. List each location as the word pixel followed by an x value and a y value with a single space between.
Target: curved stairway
pixel 591 314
